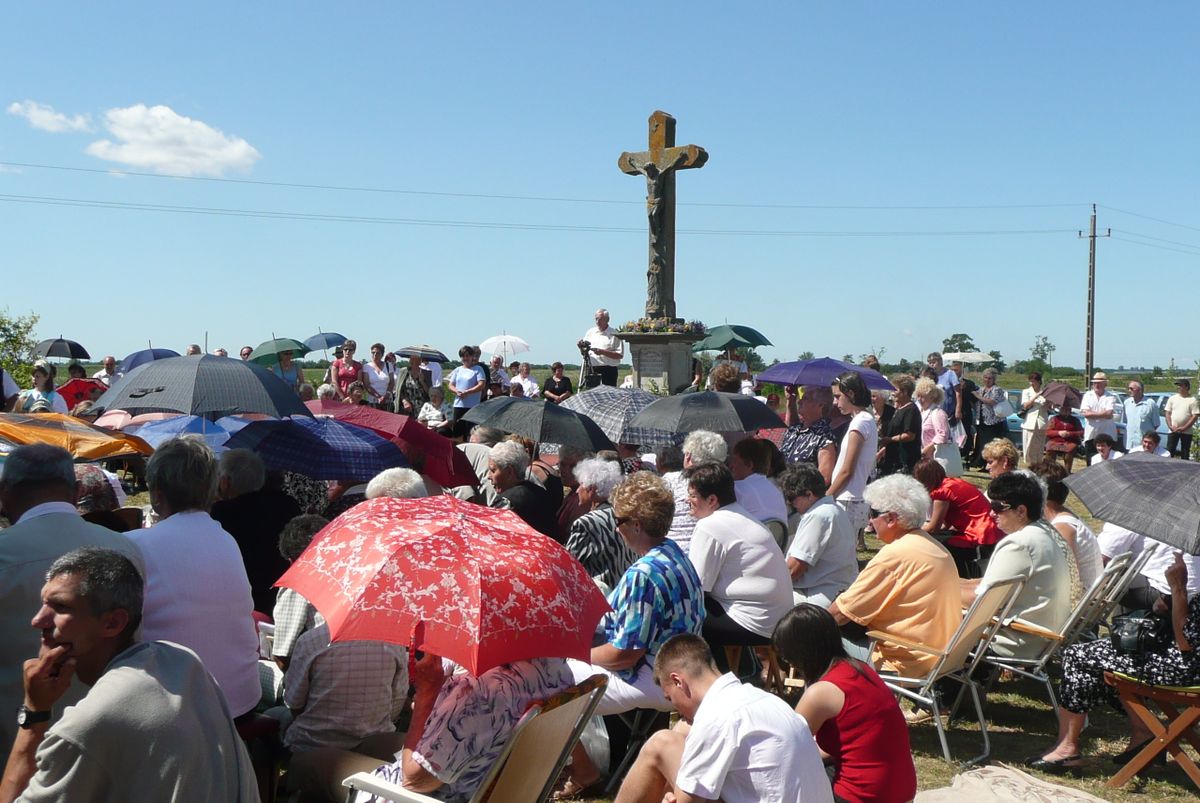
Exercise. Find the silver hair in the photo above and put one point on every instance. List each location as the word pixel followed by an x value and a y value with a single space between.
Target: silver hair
pixel 488 436
pixel 600 475
pixel 397 483
pixel 822 395
pixel 508 454
pixel 703 446
pixel 38 464
pixel 184 471
pixel 902 495
pixel 326 392
pixel 599 312
pixel 992 372
pixel 106 579
pixel 244 470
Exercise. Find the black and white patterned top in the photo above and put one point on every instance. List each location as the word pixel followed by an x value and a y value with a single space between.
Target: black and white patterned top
pixel 595 542
pixel 801 443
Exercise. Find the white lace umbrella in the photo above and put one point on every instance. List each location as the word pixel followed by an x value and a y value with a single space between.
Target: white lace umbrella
pixel 504 345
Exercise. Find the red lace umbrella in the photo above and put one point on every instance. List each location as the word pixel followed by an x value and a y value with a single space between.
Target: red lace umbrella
pixel 470 583
pixel 442 461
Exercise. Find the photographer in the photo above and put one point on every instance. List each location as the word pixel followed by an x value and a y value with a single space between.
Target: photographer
pixel 604 348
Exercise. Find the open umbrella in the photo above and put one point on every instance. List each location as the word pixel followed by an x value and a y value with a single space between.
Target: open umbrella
pixel 540 421
pixel 1058 393
pixel 820 371
pixel 469 583
pixel 268 351
pixel 144 356
pixel 728 334
pixel 613 408
pixel 58 347
pixel 321 448
pixel 437 455
pixel 504 345
pixel 214 433
pixel 1151 495
pixel 967 356
pixel 77 390
pixel 83 440
pixel 718 412
pixel 425 352
pixel 205 385
pixel 324 340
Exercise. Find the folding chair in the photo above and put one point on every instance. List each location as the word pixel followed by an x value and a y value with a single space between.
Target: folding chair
pixel 1180 725
pixel 642 724
pixel 958 659
pixel 1054 641
pixel 531 760
pixel 779 530
pixel 1133 573
pixel 774 682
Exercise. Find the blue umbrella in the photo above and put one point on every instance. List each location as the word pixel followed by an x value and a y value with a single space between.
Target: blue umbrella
pixel 215 433
pixel 821 371
pixel 321 448
pixel 325 340
pixel 144 356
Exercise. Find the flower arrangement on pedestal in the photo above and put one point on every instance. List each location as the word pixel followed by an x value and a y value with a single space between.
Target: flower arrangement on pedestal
pixel 666 326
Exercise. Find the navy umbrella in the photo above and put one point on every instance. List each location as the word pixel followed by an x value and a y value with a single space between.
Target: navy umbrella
pixel 540 421
pixel 144 356
pixel 206 386
pixel 820 371
pixel 716 412
pixel 321 448
pixel 325 340
pixel 58 347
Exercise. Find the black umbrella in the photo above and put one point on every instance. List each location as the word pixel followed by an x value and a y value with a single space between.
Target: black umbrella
pixel 58 347
pixel 206 386
pixel 717 412
pixel 1058 393
pixel 540 421
pixel 425 352
pixel 1155 496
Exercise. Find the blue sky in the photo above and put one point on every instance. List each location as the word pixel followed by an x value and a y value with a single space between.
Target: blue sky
pixel 1016 117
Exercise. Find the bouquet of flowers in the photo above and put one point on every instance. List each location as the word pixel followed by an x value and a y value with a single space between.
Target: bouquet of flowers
pixel 670 326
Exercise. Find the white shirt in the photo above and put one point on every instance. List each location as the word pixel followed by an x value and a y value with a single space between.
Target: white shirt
pixel 1115 540
pixel 748 746
pixel 435 372
pixel 1099 458
pixel 528 384
pixel 825 540
pixel 683 523
pixel 106 377
pixel 742 567
pixel 606 340
pixel 762 498
pixel 1155 570
pixel 864 424
pixel 1036 418
pixel 1087 549
pixel 197 595
pixel 1093 403
pixel 379 377
pixel 1160 451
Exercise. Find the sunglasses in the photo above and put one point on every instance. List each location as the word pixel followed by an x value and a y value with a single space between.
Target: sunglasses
pixel 1000 507
pixel 874 514
pixel 623 520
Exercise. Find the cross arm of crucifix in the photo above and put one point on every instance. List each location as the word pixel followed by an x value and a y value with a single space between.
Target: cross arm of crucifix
pixel 646 163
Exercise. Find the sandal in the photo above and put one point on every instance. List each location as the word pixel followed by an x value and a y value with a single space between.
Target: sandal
pixel 574 791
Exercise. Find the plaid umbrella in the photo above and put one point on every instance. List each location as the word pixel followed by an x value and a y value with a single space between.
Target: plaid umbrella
pixel 820 371
pixel 58 347
pixel 425 352
pixel 321 448
pixel 717 412
pixel 144 356
pixel 540 421
pixel 206 385
pixel 613 408
pixel 1151 495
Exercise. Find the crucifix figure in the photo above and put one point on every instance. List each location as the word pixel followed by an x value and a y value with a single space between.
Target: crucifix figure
pixel 658 165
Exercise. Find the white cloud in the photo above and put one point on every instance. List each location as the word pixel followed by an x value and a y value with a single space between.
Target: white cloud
pixel 44 117
pixel 159 139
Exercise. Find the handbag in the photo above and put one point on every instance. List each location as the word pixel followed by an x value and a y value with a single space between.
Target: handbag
pixel 950 457
pixel 1003 409
pixel 1140 633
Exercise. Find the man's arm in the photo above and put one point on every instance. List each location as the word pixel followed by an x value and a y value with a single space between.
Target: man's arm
pixel 47 678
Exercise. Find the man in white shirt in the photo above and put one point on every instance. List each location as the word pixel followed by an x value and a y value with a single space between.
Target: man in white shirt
pixel 1151 443
pixel 108 374
pixel 607 350
pixel 742 745
pixel 1098 410
pixel 762 498
pixel 1182 412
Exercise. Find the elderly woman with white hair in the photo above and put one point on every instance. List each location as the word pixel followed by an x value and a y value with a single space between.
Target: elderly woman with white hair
pixel 593 538
pixel 700 446
pixel 910 588
pixel 507 470
pixel 397 483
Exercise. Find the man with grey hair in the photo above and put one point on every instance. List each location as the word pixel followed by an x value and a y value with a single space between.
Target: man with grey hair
pixel 149 704
pixel 254 514
pixel 700 446
pixel 38 491
pixel 397 483
pixel 197 592
pixel 507 466
pixel 478 450
pixel 605 348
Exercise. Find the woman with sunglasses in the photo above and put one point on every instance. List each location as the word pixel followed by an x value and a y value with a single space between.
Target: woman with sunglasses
pixel 1033 549
pixel 856 458
pixel 346 370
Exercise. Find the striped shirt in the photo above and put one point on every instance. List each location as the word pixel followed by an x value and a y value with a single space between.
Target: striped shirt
pixel 595 542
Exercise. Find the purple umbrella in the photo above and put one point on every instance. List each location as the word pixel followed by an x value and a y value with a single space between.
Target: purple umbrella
pixel 820 371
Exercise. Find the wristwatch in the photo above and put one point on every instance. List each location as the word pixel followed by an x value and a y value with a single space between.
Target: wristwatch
pixel 27 718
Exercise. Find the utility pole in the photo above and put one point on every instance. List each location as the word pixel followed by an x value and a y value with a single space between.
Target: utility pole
pixel 1090 346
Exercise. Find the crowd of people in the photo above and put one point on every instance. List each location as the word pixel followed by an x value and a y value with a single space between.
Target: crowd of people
pixel 717 557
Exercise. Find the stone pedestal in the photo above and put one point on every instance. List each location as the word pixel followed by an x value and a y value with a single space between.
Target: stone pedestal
pixel 661 361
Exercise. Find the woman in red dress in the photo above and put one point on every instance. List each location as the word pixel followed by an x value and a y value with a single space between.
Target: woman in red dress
pixel 346 370
pixel 960 517
pixel 1063 435
pixel 856 720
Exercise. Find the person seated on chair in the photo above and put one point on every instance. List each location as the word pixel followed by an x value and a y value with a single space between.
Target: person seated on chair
pixel 858 725
pixel 821 556
pixel 507 465
pixel 735 743
pixel 960 519
pixel 659 596
pixel 908 589
pixel 1084 546
pixel 460 725
pixel 761 498
pixel 593 539
pixel 700 446
pixel 153 725
pixel 1000 456
pixel 1173 663
pixel 1033 549
pixel 747 586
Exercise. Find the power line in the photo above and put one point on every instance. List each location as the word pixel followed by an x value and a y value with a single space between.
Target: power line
pixel 540 198
pixel 1160 247
pixel 1147 217
pixel 1160 239
pixel 333 218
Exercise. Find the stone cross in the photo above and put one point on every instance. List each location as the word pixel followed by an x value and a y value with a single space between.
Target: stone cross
pixel 658 165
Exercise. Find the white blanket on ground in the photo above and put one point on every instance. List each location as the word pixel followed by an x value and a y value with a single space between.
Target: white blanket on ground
pixel 1003 784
